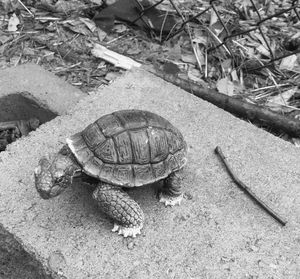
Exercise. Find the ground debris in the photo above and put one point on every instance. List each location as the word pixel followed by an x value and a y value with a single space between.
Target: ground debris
pixel 245 49
pixel 10 131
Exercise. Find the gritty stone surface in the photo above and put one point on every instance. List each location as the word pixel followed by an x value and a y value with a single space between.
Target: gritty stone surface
pixel 216 233
pixel 15 262
pixel 39 85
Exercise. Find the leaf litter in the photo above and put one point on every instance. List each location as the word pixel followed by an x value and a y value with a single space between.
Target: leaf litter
pixel 61 35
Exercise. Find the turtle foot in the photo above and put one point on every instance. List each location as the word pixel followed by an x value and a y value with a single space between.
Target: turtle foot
pixel 125 231
pixel 169 200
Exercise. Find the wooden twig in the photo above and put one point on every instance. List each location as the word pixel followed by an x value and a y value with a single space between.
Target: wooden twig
pixel 237 106
pixel 247 190
pixel 115 58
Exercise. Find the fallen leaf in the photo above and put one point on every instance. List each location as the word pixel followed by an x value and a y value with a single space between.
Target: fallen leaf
pixel 213 18
pixel 263 51
pixel 4 39
pixel 9 5
pixel 101 34
pixel 296 142
pixel 280 102
pixel 89 23
pixel 13 23
pixel 194 75
pixel 225 86
pixel 226 65
pixel 120 28
pixel 133 51
pixel 288 63
pixel 77 26
pixel 68 6
pixel 98 2
pixel 189 58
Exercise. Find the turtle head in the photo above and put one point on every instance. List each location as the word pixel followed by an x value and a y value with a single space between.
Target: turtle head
pixel 53 175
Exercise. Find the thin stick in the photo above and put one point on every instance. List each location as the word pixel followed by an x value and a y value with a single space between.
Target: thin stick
pixel 247 190
pixel 26 8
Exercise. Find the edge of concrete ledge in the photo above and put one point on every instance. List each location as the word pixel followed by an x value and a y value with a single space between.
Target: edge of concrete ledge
pixel 45 88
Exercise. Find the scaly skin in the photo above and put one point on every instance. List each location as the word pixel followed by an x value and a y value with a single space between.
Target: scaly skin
pixel 54 174
pixel 117 204
pixel 171 193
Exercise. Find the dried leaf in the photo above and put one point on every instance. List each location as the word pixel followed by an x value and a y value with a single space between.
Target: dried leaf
pixel 213 18
pixel 189 58
pixel 264 51
pixel 194 75
pixel 101 34
pixel 4 39
pixel 9 5
pixel 296 142
pixel 225 86
pixel 77 26
pixel 13 23
pixel 279 102
pixel 226 65
pixel 120 28
pixel 64 6
pixel 89 23
pixel 98 2
pixel 289 62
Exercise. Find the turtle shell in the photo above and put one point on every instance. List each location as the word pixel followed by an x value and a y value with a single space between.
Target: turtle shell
pixel 129 148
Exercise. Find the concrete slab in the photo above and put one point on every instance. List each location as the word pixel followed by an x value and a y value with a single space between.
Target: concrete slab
pixel 217 232
pixel 41 86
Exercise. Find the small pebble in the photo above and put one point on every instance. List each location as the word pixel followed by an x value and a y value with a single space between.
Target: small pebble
pixel 130 245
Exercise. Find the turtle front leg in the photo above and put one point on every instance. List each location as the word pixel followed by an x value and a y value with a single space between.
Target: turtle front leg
pixel 117 204
pixel 171 193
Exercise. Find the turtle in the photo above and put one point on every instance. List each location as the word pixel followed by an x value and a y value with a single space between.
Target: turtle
pixel 123 149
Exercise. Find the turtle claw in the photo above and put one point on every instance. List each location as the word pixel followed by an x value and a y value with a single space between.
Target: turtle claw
pixel 127 231
pixel 168 200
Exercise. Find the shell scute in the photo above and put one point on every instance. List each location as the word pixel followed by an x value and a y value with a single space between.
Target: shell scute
pixel 172 163
pixel 175 141
pixel 124 174
pixel 109 125
pixel 93 136
pixel 131 119
pixel 143 174
pixel 158 142
pixel 77 141
pixel 159 169
pixel 93 166
pixel 106 173
pixel 124 151
pixel 155 120
pixel 107 152
pixel 140 146
pixel 79 148
pixel 180 158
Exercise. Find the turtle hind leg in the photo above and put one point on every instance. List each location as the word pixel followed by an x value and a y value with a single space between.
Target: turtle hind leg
pixel 117 204
pixel 171 193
